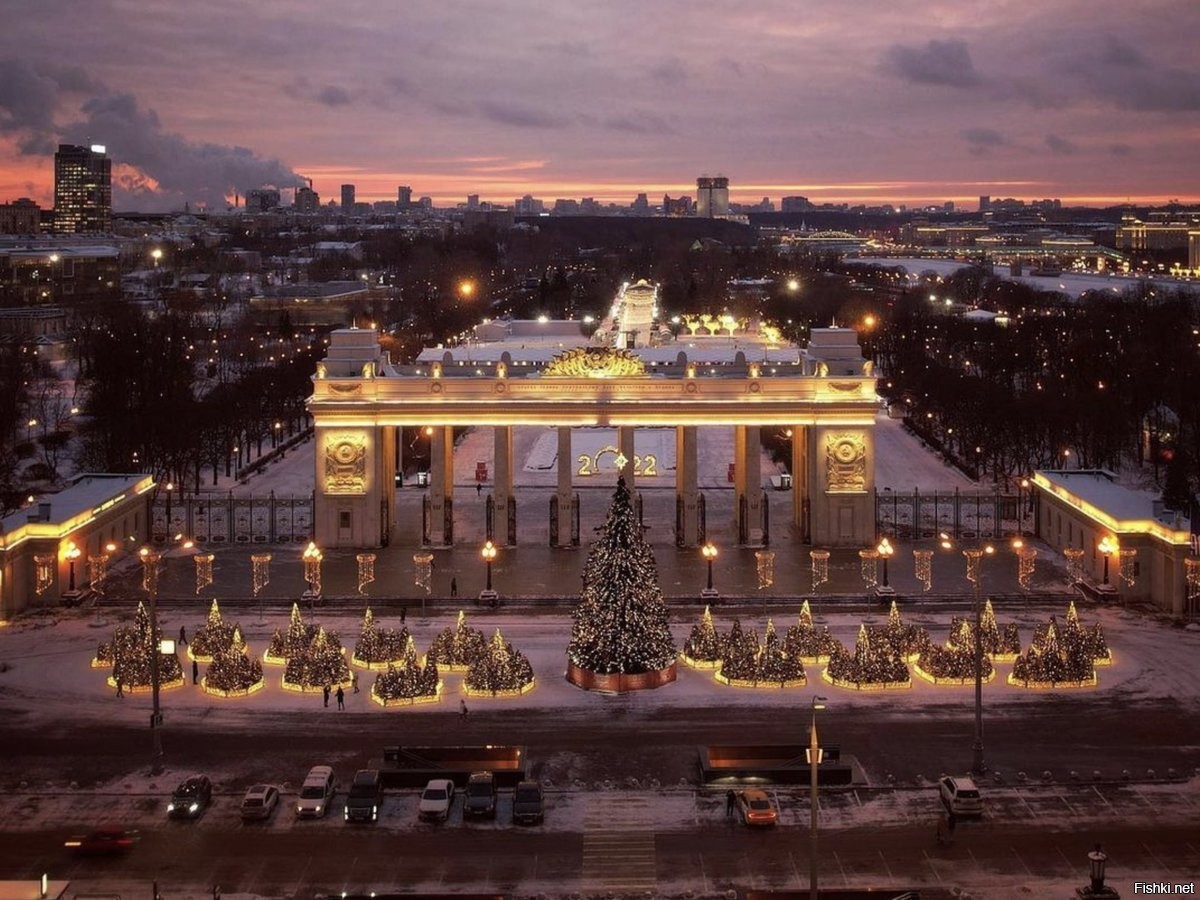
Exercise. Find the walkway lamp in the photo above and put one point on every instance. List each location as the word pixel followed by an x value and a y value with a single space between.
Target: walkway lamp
pixel 72 553
pixel 885 550
pixel 488 551
pixel 814 759
pixel 1108 547
pixel 709 551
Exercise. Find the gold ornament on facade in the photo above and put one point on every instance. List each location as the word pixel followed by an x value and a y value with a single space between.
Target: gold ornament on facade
pixel 846 464
pixel 345 464
pixel 583 362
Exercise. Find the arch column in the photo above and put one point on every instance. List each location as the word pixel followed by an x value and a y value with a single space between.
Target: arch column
pixel 801 502
pixel 564 492
pixel 504 480
pixel 685 484
pixel 747 480
pixel 625 444
pixel 441 485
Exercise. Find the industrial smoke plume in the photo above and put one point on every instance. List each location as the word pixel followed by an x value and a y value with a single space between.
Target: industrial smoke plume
pixel 170 170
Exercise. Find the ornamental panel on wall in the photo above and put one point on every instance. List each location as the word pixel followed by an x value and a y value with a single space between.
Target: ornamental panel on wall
pixel 845 463
pixel 345 463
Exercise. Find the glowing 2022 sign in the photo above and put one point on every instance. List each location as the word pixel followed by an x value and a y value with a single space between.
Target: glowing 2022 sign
pixel 646 465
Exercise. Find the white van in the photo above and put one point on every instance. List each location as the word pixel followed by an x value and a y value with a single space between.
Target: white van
pixel 316 793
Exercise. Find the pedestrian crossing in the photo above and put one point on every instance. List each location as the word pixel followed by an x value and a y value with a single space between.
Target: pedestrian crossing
pixel 618 851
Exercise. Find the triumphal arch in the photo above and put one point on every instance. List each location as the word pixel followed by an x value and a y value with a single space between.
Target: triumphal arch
pixel 700 374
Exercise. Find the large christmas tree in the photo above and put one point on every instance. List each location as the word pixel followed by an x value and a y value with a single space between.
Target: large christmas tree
pixel 621 621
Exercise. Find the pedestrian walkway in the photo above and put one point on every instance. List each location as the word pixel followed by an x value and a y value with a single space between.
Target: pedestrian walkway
pixel 618 850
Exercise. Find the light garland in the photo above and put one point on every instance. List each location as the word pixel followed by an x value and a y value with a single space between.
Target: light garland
pixel 765 565
pixel 500 671
pixel 1074 557
pixel 408 682
pixel 260 572
pixel 129 652
pixel 869 566
pixel 290 642
pixel 923 568
pixel 820 567
pixel 97 571
pixel 1026 560
pixel 233 673
pixel 204 571
pixel 149 560
pixel 704 646
pixel 974 556
pixel 953 663
pixel 1192 577
pixel 423 563
pixel 366 571
pixel 1125 570
pixel 455 647
pixel 43 572
pixel 377 649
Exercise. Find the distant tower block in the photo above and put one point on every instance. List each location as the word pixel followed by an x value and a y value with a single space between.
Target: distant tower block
pixel 347 198
pixel 712 197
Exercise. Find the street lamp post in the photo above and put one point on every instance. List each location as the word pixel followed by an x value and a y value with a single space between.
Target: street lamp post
pixel 73 553
pixel 885 550
pixel 488 551
pixel 974 567
pixel 814 753
pixel 1107 548
pixel 709 551
pixel 150 580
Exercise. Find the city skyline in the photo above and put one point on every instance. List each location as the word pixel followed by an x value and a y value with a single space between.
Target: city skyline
pixel 904 103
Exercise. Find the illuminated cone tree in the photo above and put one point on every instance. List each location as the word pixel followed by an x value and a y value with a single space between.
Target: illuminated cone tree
pixel 499 670
pixel 232 670
pixel 1051 661
pixel 455 648
pixel 295 639
pixel 906 641
pixel 955 662
pixel 407 681
pixel 321 664
pixel 129 653
pixel 807 642
pixel 214 636
pixel 1004 643
pixel 870 665
pixel 621 620
pixel 376 647
pixel 704 644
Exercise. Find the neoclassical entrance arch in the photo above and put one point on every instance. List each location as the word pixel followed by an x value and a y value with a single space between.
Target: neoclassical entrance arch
pixel 825 395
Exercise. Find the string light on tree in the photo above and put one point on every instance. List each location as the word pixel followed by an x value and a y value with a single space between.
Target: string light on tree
pixel 765 564
pixel 204 570
pixel 312 557
pixel 149 560
pixel 1026 561
pixel 1126 566
pixel 499 671
pixel 1192 577
pixel 408 682
pixel 705 645
pixel 366 571
pixel 455 647
pixel 1074 558
pixel 808 642
pixel 215 636
pixel 377 648
pixel 870 667
pixel 260 572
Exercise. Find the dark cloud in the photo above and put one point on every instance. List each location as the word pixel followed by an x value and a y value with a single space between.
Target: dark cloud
pixel 1061 145
pixel 169 169
pixel 1117 52
pixel 981 140
pixel 1120 149
pixel 639 123
pixel 669 71
pixel 398 83
pixel 946 63
pixel 519 115
pixel 332 95
pixel 1112 71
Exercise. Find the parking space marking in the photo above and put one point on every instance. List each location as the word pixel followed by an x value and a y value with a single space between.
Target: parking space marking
pixel 1158 862
pixel 1100 794
pixel 1070 864
pixel 1028 871
pixel 936 873
pixel 837 859
pixel 1069 807
pixel 1027 806
pixel 795 868
pixel 883 859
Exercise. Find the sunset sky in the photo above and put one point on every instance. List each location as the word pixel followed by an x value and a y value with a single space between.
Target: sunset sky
pixel 872 100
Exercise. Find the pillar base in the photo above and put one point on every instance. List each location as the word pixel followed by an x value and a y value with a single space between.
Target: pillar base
pixel 709 594
pixel 885 591
pixel 489 596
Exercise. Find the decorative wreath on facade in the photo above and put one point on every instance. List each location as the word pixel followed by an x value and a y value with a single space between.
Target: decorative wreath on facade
pixel 582 362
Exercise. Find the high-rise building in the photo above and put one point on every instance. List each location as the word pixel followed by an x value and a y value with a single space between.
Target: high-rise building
pixel 82 190
pixel 20 217
pixel 712 197
pixel 347 198
pixel 528 206
pixel 641 205
pixel 262 200
pixel 403 197
pixel 307 200
pixel 985 203
pixel 472 201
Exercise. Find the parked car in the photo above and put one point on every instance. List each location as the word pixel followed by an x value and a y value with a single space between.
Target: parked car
pixel 434 805
pixel 316 793
pixel 529 803
pixel 480 798
pixel 756 807
pixel 191 798
pixel 104 841
pixel 365 797
pixel 960 795
pixel 260 802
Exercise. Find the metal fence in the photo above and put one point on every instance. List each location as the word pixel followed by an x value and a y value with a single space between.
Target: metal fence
pixel 916 516
pixel 213 519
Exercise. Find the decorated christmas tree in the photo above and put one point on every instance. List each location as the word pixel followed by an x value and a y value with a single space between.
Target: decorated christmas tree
pixel 296 638
pixel 775 665
pixel 906 641
pixel 1077 637
pixel 739 662
pixel 621 620
pixel 320 664
pixel 455 648
pixel 500 670
pixel 807 642
pixel 232 671
pixel 377 647
pixel 1052 662
pixel 999 643
pixel 407 681
pixel 869 667
pixel 704 645
pixel 214 636
pixel 747 663
pixel 130 654
pixel 955 662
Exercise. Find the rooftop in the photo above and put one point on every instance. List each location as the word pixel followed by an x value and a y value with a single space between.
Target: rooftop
pixel 1098 495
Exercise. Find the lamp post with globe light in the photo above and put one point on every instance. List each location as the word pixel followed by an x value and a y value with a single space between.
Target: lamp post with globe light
pixel 885 550
pixel 488 552
pixel 814 759
pixel 709 551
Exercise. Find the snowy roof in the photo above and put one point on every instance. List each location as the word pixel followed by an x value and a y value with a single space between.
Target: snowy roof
pixel 85 494
pixel 1098 495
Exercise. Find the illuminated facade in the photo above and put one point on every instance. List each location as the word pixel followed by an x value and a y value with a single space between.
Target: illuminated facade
pixel 1080 508
pixel 82 190
pixel 824 394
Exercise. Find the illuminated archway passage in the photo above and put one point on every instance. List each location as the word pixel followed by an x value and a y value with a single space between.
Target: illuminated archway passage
pixel 822 396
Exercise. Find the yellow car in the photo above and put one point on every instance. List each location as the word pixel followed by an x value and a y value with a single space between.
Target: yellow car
pixel 757 808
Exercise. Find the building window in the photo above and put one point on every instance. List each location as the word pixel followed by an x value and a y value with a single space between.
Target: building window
pixel 344 519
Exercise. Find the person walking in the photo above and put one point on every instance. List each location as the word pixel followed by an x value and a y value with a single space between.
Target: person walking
pixel 341 698
pixel 462 708
pixel 326 692
pixel 354 681
pixel 182 635
pixel 478 488
pixel 453 588
pixel 195 672
pixel 730 803
pixel 120 688
pixel 403 613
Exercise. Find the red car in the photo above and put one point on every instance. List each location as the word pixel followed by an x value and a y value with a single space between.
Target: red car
pixel 105 840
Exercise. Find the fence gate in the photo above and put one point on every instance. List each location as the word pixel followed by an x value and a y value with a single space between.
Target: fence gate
pixel 553 520
pixel 208 519
pixel 512 521
pixel 917 516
